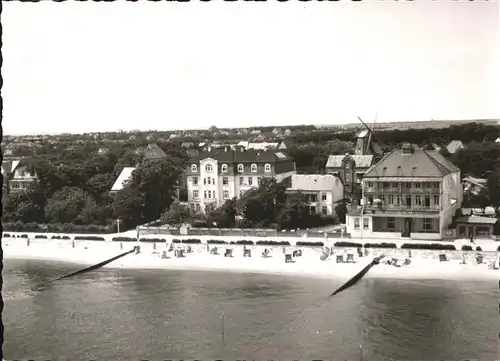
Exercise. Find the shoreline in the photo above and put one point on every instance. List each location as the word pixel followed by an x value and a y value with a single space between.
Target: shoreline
pixel 424 264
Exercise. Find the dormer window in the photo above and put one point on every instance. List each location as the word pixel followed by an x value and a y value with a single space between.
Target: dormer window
pixel 253 168
pixel 194 168
pixel 224 168
pixel 208 168
pixel 267 168
pixel 240 168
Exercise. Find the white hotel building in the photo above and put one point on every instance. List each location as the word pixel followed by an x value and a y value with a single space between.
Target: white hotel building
pixel 214 177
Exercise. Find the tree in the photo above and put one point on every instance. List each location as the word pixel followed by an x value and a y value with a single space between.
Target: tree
pixel 224 216
pixel 178 214
pixel 67 205
pixel 493 185
pixel 341 211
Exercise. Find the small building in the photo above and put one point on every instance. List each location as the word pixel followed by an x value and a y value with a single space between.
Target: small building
pixel 21 178
pixel 473 185
pixel 475 226
pixel 121 181
pixel 320 192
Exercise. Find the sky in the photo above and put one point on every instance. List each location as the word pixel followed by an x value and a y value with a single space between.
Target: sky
pixel 88 67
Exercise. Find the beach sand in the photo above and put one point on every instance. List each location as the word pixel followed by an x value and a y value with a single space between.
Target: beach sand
pixel 424 265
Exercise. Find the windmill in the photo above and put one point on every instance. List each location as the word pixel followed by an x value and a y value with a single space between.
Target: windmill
pixel 367 146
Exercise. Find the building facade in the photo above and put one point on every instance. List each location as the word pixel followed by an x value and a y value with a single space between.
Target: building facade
pixel 214 177
pixel 410 193
pixel 320 192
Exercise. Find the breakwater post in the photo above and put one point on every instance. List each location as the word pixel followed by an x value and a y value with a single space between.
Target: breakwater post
pixel 222 328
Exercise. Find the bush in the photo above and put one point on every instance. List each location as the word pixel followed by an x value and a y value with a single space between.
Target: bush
pixel 273 243
pixel 23 236
pixel 89 238
pixel 7 235
pixel 310 244
pixel 245 242
pixel 57 228
pixel 41 236
pixel 151 240
pixel 216 241
pixel 124 239
pixel 466 248
pixel 347 244
pixel 65 237
pixel 380 245
pixel 478 248
pixel 175 240
pixel 191 241
pixel 429 246
pixel 498 249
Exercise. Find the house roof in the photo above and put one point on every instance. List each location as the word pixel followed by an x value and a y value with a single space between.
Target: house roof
pixel 480 182
pixel 9 166
pixel 247 156
pixel 314 182
pixel 124 176
pixel 414 163
pixel 476 220
pixel 455 145
pixel 487 211
pixel 153 151
pixel 362 161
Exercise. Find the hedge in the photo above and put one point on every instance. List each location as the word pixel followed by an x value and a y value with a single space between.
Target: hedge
pixel 89 238
pixel 244 242
pixel 59 237
pixel 216 241
pixel 466 248
pixel 478 248
pixel 347 244
pixel 41 236
pixel 312 244
pixel 7 235
pixel 124 239
pixel 57 228
pixel 273 243
pixel 430 246
pixel 380 245
pixel 191 241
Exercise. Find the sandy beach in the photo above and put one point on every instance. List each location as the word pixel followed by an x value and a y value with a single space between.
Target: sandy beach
pixel 424 264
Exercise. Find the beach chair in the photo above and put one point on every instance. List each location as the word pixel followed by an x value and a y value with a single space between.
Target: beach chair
pixel 214 250
pixel 228 253
pixel 179 253
pixel 247 253
pixel 496 265
pixel 340 258
pixel 479 258
pixel 265 254
pixel 288 258
pixel 360 252
pixel 350 258
pixel 407 262
pixel 137 249
pixel 164 255
pixel 366 252
pixel 324 256
pixel 442 257
pixel 299 253
pixel 189 249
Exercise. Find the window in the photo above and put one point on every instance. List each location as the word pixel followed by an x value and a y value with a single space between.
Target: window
pixel 253 168
pixel 418 185
pixel 223 168
pixel 370 199
pixel 427 201
pixel 366 223
pixel 194 168
pixel 250 181
pixel 397 200
pixel 408 185
pixel 314 198
pixel 205 194
pixel 198 207
pixel 418 200
pixel 427 224
pixel 324 210
pixel 225 181
pixel 196 194
pixel 356 223
pixel 209 194
pixel 259 179
pixel 267 168
pixel 242 181
pixel 370 184
pixel 208 168
pixel 241 192
pixel 390 199
pixel 192 206
pixel 240 168
pixel 347 177
pixel 312 210
pixel 195 181
pixel 391 223
pixel 436 185
pixel 408 201
pixel 436 200
pixel 323 196
pixel 385 185
pixel 394 185
pixel 226 194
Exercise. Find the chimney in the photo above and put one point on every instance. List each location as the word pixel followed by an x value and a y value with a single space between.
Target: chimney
pixel 406 148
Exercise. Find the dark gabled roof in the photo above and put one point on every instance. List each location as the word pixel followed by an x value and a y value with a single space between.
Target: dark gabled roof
pixel 417 163
pixel 248 156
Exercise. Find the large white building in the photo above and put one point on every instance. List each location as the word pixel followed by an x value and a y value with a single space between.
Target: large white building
pixel 214 177
pixel 410 193
pixel 320 192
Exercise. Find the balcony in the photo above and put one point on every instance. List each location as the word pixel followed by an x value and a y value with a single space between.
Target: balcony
pixel 401 208
pixel 209 200
pixel 402 191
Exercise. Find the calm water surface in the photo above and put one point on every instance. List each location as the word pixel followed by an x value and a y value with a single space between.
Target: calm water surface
pixel 132 315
